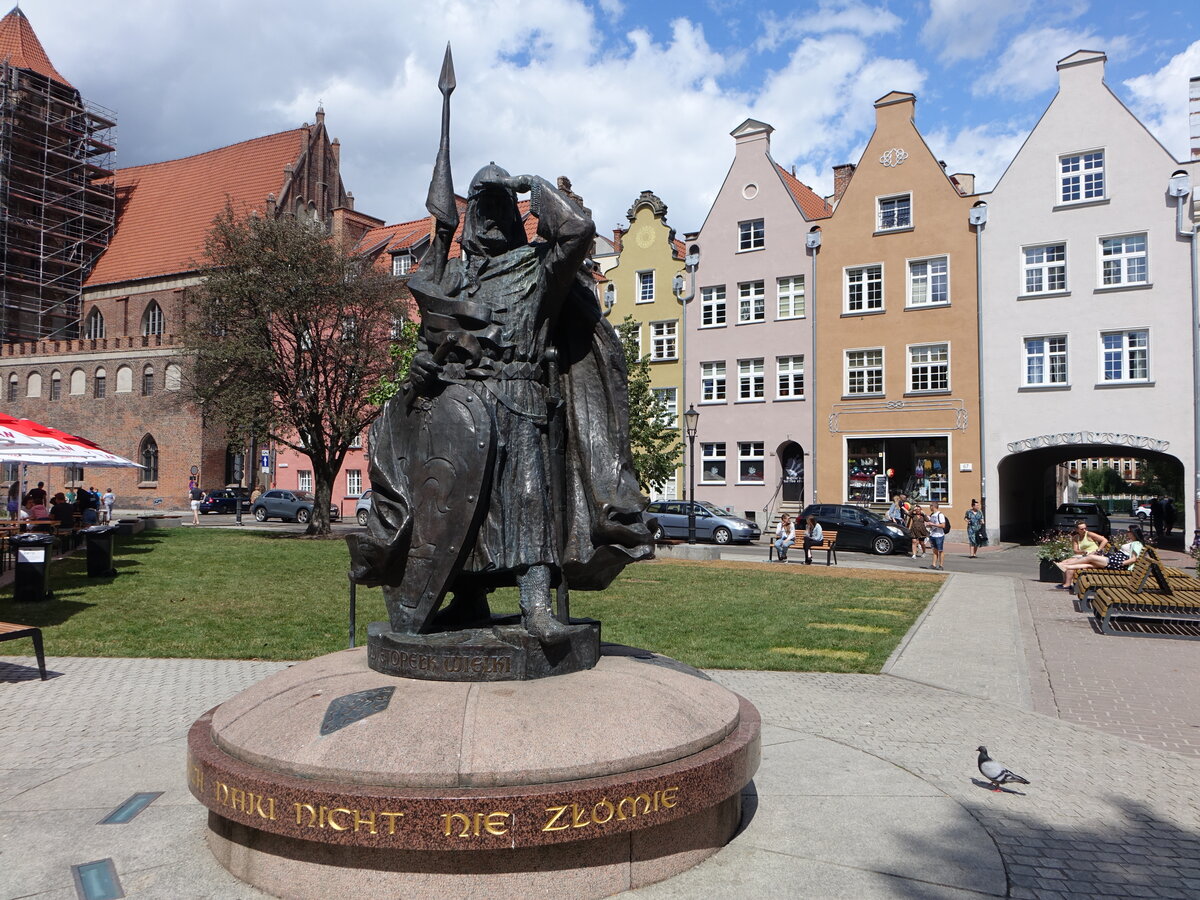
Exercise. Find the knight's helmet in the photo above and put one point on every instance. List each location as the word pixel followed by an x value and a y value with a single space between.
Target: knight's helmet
pixel 506 214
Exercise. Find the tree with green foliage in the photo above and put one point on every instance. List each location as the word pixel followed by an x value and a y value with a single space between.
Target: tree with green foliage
pixel 1163 477
pixel 289 336
pixel 1105 480
pixel 653 437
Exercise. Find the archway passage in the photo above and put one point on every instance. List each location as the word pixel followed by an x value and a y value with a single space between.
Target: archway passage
pixel 791 466
pixel 1031 484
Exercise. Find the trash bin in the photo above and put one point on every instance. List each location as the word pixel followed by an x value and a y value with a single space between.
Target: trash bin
pixel 31 575
pixel 99 540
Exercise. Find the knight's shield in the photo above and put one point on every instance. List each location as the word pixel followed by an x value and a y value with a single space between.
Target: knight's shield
pixel 449 464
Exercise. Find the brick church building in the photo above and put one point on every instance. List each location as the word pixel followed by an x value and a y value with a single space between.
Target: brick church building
pixel 110 364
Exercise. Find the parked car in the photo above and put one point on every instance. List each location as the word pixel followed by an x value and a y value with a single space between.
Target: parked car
pixel 225 500
pixel 362 507
pixel 1141 509
pixel 669 518
pixel 858 528
pixel 283 504
pixel 1093 514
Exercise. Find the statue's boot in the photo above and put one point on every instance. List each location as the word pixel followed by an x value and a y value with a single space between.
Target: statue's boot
pixel 536 616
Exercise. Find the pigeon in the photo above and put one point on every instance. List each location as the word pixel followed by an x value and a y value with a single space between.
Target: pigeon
pixel 996 773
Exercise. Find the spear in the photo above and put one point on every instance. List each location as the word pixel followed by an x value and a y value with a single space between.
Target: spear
pixel 440 201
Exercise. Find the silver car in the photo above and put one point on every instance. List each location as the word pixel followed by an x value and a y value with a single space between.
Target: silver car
pixel 284 504
pixel 669 519
pixel 362 507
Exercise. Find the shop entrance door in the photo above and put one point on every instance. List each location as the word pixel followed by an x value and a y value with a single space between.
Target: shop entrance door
pixel 791 461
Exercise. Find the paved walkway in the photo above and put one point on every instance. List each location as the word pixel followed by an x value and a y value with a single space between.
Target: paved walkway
pixel 867 789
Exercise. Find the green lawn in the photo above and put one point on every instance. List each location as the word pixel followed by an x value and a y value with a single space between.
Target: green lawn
pixel 213 593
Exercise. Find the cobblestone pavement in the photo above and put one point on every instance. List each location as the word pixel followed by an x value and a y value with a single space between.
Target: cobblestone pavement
pixel 868 786
pixel 1141 688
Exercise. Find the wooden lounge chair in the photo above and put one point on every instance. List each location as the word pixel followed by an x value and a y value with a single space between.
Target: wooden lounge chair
pixel 1146 574
pixel 1123 611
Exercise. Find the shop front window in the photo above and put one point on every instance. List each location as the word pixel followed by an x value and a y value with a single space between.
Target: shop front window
pixel 878 468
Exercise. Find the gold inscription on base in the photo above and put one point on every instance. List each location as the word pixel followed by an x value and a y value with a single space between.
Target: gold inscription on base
pixel 464 825
pixel 572 815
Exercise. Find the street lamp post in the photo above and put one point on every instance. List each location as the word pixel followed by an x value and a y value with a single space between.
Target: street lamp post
pixel 691 419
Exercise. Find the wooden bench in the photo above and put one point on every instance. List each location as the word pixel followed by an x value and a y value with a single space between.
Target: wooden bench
pixel 828 544
pixel 1123 611
pixel 10 632
pixel 1146 574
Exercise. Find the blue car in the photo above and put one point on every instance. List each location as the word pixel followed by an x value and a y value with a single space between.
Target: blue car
pixel 669 519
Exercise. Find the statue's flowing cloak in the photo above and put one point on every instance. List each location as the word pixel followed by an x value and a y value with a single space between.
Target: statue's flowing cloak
pixel 469 472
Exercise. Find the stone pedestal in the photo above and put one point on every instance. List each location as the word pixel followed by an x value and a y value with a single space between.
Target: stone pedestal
pixel 331 777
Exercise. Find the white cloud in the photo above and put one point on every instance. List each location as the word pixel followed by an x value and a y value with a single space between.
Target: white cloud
pixel 853 16
pixel 1027 66
pixel 981 150
pixel 967 29
pixel 1160 99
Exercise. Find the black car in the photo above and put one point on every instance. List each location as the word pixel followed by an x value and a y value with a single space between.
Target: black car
pixel 225 500
pixel 858 528
pixel 1093 514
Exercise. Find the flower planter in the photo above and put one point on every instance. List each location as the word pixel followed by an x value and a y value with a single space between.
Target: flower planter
pixel 1048 571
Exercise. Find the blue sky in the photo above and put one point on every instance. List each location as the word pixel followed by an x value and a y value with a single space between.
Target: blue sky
pixel 619 95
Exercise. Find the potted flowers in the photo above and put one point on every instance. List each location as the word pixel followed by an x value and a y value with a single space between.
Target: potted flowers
pixel 1053 547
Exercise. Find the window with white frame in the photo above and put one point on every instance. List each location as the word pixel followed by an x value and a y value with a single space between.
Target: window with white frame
pixel 152 319
pixel 929 281
pixel 668 406
pixel 790 291
pixel 402 263
pixel 93 325
pixel 1045 267
pixel 929 367
pixel 712 382
pixel 1081 177
pixel 304 480
pixel 662 340
pixel 1125 356
pixel 1123 260
pixel 751 235
pixel 751 462
pixel 894 212
pixel 1046 360
pixel 712 306
pixel 353 482
pixel 790 377
pixel 864 289
pixel 750 379
pixel 712 465
pixel 645 286
pixel 864 371
pixel 752 301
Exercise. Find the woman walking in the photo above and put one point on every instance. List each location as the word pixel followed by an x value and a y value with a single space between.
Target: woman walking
pixel 976 534
pixel 916 525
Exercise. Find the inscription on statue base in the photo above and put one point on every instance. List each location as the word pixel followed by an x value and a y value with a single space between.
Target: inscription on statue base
pixel 504 652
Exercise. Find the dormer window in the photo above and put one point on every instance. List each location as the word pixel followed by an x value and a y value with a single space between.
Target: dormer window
pixel 1081 177
pixel 402 263
pixel 894 212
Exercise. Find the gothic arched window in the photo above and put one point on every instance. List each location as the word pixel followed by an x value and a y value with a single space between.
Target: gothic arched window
pixel 148 457
pixel 152 319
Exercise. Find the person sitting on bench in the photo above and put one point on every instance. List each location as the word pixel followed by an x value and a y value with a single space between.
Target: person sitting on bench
pixel 785 536
pixel 813 537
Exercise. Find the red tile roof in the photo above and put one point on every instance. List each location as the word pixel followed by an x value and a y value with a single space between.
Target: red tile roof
pixel 20 47
pixel 165 210
pixel 811 205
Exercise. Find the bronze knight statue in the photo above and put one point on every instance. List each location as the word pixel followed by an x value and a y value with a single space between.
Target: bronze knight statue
pixel 506 459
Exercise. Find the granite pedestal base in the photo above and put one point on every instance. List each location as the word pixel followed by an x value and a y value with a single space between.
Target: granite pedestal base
pixel 329 776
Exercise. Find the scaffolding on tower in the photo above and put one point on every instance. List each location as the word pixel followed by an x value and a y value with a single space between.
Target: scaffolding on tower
pixel 57 202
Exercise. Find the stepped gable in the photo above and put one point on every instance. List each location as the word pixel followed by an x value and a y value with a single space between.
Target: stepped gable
pixel 20 47
pixel 810 204
pixel 165 210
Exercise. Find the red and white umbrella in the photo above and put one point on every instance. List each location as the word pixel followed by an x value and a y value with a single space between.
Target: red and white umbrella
pixel 29 442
